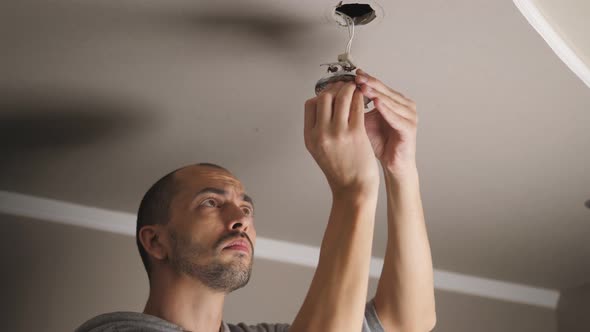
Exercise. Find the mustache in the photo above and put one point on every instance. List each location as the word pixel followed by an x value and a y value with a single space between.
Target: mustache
pixel 234 235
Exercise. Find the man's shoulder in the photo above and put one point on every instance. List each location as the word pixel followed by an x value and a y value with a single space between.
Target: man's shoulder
pixel 371 323
pixel 127 321
pixel 260 327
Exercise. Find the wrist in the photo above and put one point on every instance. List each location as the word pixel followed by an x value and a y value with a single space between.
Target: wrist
pixel 356 197
pixel 405 175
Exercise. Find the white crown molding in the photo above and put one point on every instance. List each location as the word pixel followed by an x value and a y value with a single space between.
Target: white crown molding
pixel 533 15
pixel 266 248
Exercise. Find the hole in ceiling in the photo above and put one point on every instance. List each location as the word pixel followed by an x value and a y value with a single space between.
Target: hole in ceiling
pixel 361 13
pixel 587 203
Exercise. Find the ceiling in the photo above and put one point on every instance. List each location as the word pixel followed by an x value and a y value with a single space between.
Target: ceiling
pixel 99 99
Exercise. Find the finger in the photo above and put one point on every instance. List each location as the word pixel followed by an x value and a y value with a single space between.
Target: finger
pixel 400 109
pixel 342 105
pixel 395 120
pixel 324 109
pixel 357 110
pixel 325 103
pixel 310 115
pixel 333 87
pixel 364 78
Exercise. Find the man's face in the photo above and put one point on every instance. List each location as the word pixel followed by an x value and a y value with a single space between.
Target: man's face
pixel 209 212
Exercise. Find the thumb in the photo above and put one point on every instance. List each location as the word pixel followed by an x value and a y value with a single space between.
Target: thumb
pixel 357 110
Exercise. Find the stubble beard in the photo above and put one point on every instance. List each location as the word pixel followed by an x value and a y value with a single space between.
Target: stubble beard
pixel 216 274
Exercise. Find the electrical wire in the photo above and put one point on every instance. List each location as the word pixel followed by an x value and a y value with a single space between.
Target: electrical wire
pixel 350 26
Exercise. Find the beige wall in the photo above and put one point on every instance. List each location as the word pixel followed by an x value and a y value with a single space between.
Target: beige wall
pixel 573 310
pixel 57 276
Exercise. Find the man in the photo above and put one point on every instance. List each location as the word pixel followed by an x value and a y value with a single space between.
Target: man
pixel 196 234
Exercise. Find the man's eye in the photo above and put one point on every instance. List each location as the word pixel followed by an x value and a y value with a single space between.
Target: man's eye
pixel 209 202
pixel 248 210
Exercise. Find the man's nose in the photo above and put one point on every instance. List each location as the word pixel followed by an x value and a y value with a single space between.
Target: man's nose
pixel 237 218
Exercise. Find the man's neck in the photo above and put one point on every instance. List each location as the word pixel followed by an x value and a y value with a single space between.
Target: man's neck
pixel 185 302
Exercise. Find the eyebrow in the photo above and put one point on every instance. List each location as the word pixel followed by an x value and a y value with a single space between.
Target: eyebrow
pixel 222 192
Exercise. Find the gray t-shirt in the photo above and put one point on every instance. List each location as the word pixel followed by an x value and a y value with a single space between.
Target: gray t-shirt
pixel 139 322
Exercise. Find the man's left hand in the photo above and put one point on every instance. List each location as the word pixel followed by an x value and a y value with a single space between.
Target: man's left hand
pixel 391 125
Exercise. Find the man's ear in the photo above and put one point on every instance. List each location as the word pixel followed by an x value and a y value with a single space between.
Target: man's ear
pixel 154 241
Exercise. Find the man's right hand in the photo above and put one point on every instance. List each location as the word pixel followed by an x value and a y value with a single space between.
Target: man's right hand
pixel 335 136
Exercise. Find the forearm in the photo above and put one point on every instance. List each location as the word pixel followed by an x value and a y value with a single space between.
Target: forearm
pixel 405 293
pixel 337 295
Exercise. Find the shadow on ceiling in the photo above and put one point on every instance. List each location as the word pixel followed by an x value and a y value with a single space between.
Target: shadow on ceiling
pixel 297 35
pixel 30 121
pixel 282 32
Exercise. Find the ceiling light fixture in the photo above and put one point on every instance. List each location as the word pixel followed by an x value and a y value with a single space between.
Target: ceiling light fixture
pixel 348 14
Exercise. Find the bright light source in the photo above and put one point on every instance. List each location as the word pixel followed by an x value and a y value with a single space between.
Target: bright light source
pixel 564 25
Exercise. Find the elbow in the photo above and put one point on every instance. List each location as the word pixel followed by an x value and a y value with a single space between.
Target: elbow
pixel 431 322
pixel 428 322
pixel 425 324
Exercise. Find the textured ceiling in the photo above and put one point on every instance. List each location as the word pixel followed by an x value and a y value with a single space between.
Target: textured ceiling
pixel 100 99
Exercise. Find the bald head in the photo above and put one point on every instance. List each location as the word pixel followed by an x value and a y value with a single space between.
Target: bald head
pixel 156 204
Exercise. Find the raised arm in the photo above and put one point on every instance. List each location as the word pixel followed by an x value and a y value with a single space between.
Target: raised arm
pixel 336 138
pixel 405 294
